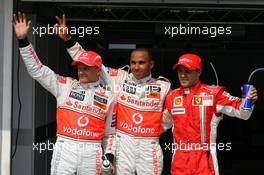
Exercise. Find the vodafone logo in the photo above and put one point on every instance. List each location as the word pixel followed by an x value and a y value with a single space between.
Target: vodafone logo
pixel 82 121
pixel 137 118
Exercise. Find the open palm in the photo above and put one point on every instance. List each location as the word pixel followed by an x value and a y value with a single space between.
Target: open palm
pixel 21 25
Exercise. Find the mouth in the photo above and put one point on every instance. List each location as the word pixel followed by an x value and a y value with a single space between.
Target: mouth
pixel 184 80
pixel 136 73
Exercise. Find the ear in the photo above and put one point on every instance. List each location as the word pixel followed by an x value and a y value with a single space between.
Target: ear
pixel 199 72
pixel 98 72
pixel 152 63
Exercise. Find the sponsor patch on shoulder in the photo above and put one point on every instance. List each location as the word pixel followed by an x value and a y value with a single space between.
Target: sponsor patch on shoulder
pixel 175 111
pixel 230 97
pixel 113 72
pixel 62 79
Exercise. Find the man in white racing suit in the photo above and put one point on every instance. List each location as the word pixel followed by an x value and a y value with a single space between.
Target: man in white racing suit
pixel 140 118
pixel 84 109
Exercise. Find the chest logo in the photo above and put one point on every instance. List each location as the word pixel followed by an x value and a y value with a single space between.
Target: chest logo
pixel 83 121
pixel 177 102
pixel 177 111
pixel 153 92
pixel 206 100
pixel 137 118
pixel 197 100
pixel 100 102
pixel 77 96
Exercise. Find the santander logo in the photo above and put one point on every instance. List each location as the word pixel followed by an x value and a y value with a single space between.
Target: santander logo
pixel 69 103
pixel 123 98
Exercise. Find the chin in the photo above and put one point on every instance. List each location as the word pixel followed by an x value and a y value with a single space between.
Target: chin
pixel 84 81
pixel 185 85
pixel 138 77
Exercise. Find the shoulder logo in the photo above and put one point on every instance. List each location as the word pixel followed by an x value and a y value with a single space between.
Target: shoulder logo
pixel 113 72
pixel 62 79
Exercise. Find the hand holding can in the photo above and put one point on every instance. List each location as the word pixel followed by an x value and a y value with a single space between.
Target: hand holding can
pixel 247 101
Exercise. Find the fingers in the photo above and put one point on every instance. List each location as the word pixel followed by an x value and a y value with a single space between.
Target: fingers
pixel 253 94
pixel 64 19
pixel 58 19
pixel 29 22
pixel 112 169
pixel 20 18
pixel 24 18
pixel 56 26
pixel 14 19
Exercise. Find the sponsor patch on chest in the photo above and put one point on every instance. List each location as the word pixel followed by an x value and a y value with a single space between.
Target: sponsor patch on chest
pixel 175 111
pixel 206 100
pixel 153 92
pixel 131 89
pixel 177 101
pixel 100 102
pixel 77 96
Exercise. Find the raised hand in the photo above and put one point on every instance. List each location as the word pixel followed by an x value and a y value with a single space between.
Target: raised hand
pixel 253 94
pixel 21 25
pixel 61 28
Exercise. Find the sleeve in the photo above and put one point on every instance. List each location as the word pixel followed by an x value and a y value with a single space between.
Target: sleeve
pixel 74 49
pixel 43 74
pixel 113 78
pixel 230 105
pixel 167 121
pixel 109 140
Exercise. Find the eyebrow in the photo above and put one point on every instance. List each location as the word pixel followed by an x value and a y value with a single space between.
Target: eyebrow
pixel 141 61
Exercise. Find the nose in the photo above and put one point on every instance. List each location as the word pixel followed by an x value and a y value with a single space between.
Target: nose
pixel 182 75
pixel 136 66
pixel 80 72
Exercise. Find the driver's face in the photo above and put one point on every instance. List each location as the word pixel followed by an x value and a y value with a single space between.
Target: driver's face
pixel 188 77
pixel 140 64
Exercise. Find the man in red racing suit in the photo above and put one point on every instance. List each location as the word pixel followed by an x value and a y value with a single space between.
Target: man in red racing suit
pixel 84 109
pixel 196 110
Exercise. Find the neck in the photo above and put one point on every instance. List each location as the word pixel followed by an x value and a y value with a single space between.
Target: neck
pixel 142 80
pixel 90 84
